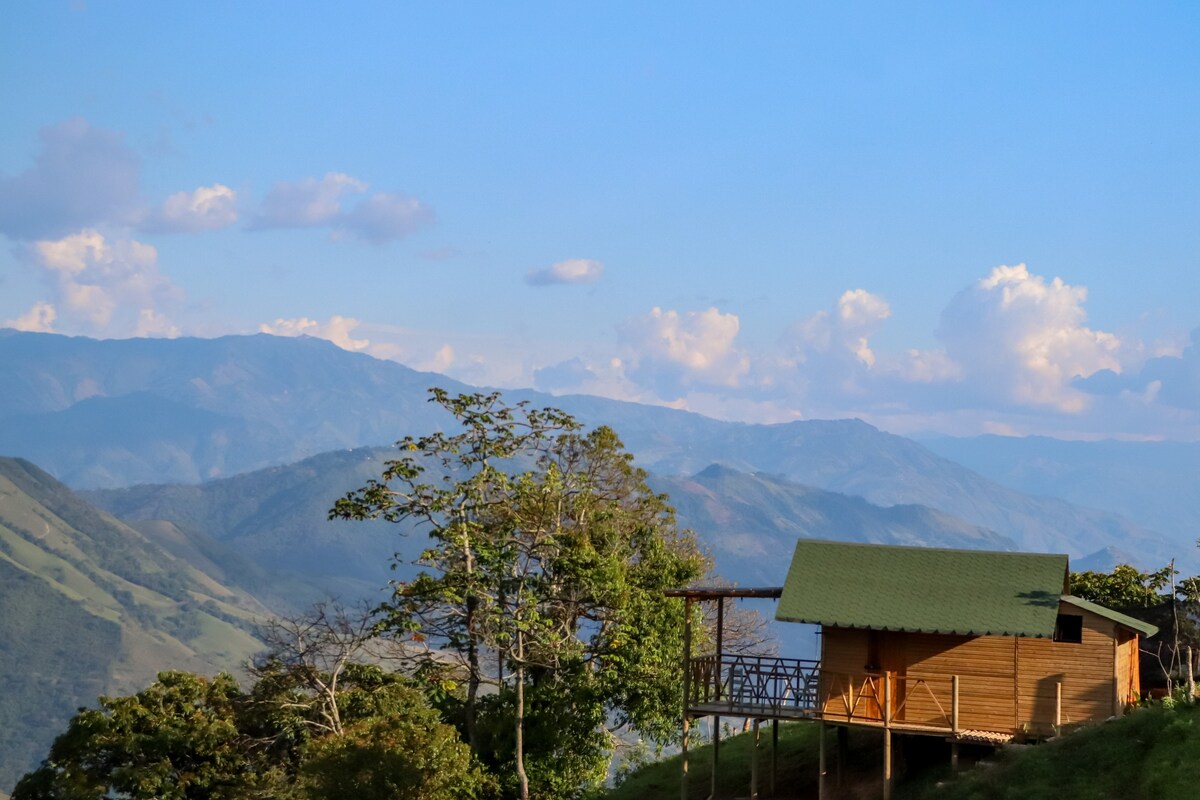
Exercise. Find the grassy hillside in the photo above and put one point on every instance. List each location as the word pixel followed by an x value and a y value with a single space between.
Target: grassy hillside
pixel 1151 754
pixel 90 606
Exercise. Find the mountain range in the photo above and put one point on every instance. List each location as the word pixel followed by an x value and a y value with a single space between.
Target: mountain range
pixel 114 413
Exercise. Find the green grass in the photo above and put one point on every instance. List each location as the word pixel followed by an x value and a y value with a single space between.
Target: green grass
pixel 1151 754
pixel 796 772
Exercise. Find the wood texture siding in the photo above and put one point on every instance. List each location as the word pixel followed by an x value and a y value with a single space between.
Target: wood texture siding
pixel 1006 684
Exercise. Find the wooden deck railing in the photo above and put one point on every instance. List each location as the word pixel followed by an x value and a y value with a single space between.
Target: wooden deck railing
pixel 916 701
pixel 765 683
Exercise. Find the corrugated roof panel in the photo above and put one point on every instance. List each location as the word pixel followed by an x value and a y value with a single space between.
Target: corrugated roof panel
pixel 885 587
pixel 1138 625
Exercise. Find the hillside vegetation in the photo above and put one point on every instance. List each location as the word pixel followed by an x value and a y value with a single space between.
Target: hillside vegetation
pixel 1150 754
pixel 89 606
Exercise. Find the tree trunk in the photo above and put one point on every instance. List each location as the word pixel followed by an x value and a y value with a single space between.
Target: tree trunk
pixel 472 677
pixel 520 677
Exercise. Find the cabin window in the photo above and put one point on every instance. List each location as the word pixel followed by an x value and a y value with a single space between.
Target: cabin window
pixel 1068 628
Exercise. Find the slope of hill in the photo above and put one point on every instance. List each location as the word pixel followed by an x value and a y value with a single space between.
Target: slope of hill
pixel 87 606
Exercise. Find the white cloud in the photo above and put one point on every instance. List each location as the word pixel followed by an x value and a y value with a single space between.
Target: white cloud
pixel 205 209
pixel 1023 338
pixel 384 217
pixel 308 203
pixel 82 176
pixel 39 319
pixel 313 203
pixel 107 287
pixel 337 330
pixel 671 351
pixel 841 336
pixel 573 270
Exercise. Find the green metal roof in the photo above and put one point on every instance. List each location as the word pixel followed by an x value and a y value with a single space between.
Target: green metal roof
pixel 1116 616
pixel 884 587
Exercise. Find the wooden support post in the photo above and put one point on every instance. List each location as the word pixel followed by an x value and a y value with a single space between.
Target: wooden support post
pixel 716 743
pixel 716 748
pixel 1057 707
pixel 774 754
pixel 754 760
pixel 821 760
pixel 887 736
pixel 687 679
pixel 843 751
pixel 720 636
pixel 954 756
pixel 954 704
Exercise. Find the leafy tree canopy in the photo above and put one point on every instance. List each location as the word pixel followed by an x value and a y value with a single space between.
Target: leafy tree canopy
pixel 544 576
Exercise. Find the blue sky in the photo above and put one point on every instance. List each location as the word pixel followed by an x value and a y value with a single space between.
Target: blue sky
pixel 943 218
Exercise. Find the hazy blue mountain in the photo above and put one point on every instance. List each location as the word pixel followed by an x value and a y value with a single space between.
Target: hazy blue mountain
pixel 277 518
pixel 854 458
pixel 751 521
pixel 88 605
pixel 115 413
pixel 123 411
pixel 1152 482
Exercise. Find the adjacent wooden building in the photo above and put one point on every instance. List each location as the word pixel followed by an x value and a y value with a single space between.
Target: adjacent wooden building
pixel 1029 658
pixel 968 645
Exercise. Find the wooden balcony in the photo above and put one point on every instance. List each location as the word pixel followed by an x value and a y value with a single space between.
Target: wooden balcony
pixel 760 687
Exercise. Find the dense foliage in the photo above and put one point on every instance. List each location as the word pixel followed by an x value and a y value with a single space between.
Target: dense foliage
pixel 1161 598
pixel 188 738
pixel 543 580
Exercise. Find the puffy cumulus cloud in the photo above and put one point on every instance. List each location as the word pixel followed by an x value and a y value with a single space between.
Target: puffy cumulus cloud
pixel 1167 380
pixel 337 330
pixel 844 332
pixel 82 176
pixel 1022 338
pixel 107 287
pixel 39 319
pixel 573 270
pixel 205 209
pixel 672 351
pixel 312 203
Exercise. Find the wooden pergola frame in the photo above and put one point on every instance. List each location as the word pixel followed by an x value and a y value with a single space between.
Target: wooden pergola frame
pixel 719 594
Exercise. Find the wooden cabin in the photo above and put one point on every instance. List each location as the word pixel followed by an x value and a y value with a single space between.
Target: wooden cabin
pixel 972 646
pixel 983 645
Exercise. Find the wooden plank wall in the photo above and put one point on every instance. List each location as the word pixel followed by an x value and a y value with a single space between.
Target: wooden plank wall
pixel 1087 670
pixel 1005 683
pixel 1129 679
pixel 986 669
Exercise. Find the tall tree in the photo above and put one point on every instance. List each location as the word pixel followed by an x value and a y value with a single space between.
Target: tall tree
pixel 545 574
